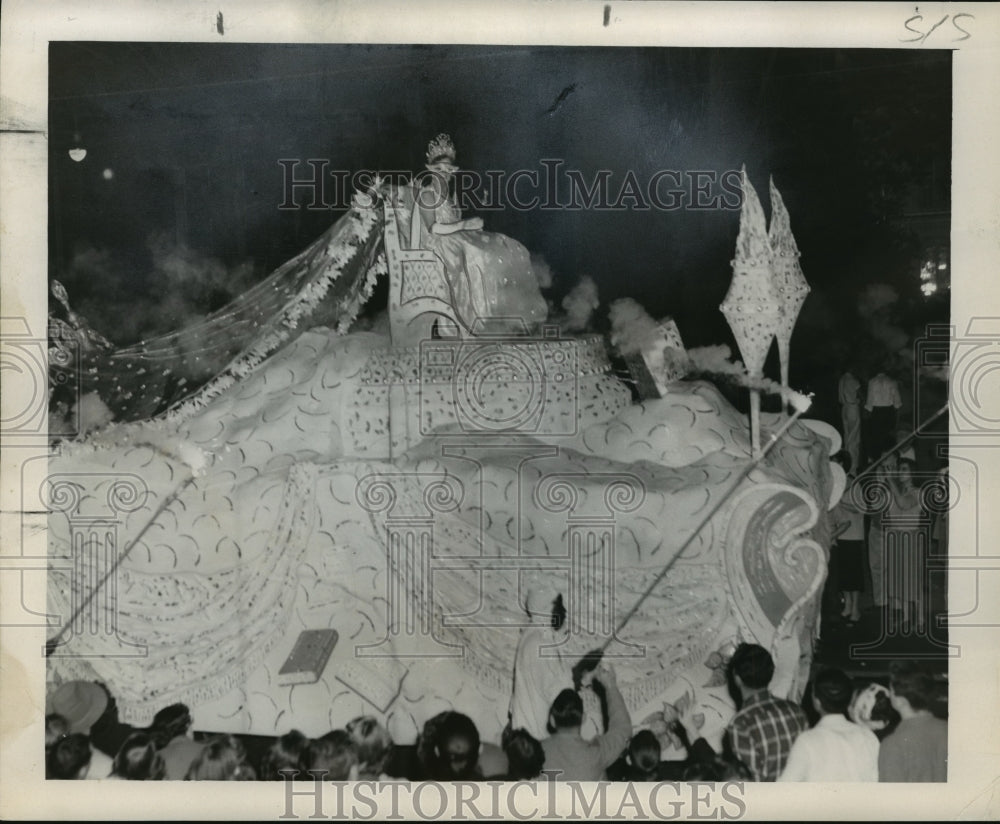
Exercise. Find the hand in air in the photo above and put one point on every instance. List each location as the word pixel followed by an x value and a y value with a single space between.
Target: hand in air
pixel 605 674
pixel 687 717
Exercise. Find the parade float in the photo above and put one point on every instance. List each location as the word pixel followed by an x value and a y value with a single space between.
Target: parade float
pixel 271 470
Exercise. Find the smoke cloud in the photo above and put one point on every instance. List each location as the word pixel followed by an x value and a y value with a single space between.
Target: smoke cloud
pixel 542 270
pixel 128 299
pixel 635 331
pixel 92 413
pixel 877 306
pixel 875 297
pixel 716 360
pixel 197 277
pixel 632 328
pixel 579 305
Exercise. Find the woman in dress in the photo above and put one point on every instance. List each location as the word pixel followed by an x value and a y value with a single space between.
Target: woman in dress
pixel 490 275
pixel 906 539
pixel 849 391
pixel 849 537
pixel 876 536
pixel 540 677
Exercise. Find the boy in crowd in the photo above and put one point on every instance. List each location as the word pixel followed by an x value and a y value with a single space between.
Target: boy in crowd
pixel 836 749
pixel 574 758
pixel 917 750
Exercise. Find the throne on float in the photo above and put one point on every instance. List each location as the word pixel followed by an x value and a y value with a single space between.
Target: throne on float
pixel 420 301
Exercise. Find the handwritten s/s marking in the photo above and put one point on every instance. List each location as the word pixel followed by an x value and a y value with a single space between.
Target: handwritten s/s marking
pixel 914 24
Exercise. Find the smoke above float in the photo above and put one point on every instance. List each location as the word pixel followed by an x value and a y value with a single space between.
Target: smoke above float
pixel 169 285
pixel 634 331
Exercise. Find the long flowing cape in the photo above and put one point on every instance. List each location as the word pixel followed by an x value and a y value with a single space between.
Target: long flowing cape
pixel 177 373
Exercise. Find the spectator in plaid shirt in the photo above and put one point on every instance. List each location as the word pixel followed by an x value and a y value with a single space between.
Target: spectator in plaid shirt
pixel 762 732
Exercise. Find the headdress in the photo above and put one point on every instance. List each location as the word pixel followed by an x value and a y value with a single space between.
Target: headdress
pixel 441 152
pixel 863 707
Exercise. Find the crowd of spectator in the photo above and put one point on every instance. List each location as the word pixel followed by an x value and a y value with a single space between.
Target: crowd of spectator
pixel 860 732
pixel 890 517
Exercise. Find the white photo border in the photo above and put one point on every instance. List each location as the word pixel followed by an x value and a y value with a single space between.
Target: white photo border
pixel 973 790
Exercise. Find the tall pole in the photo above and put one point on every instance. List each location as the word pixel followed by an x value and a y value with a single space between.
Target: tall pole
pixel 876 463
pixel 52 643
pixel 744 472
pixel 755 423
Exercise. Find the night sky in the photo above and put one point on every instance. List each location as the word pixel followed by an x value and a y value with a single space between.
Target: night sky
pixel 176 205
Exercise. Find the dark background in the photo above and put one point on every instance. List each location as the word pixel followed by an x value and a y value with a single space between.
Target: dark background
pixel 174 210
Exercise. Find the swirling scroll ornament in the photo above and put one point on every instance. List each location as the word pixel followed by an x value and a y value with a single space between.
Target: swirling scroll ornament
pixel 774 570
pixel 622 495
pixel 62 494
pixel 376 493
pixel 572 492
pixel 556 493
pixel 127 494
pixel 409 494
pixel 939 494
pixel 443 494
pixel 872 495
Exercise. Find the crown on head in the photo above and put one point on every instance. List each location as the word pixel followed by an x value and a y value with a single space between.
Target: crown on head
pixel 441 148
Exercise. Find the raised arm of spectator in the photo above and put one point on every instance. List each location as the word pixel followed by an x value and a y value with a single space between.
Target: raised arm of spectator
pixel 698 749
pixel 619 721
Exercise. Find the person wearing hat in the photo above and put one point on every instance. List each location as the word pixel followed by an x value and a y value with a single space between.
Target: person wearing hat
pixel 107 733
pixel 81 704
pixel 489 275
